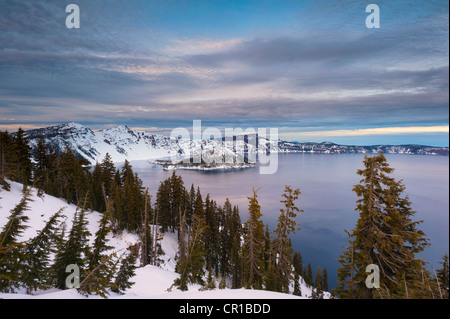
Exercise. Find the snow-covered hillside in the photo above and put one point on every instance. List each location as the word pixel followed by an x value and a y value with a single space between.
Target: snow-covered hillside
pixel 122 143
pixel 150 282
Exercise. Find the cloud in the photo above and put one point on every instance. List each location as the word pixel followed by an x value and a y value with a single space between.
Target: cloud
pixel 123 67
pixel 378 131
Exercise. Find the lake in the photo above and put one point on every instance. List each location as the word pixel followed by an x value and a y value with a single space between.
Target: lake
pixel 325 182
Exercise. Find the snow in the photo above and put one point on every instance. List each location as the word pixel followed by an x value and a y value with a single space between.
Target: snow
pixel 151 282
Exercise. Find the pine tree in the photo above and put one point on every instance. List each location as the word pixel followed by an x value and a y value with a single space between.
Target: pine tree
pixel 191 269
pixel 318 279
pixel 297 263
pixel 385 235
pixel 309 275
pixel 131 199
pixel 99 280
pixel 442 275
pixel 125 273
pixel 297 289
pixel 236 256
pixel 182 237
pixel 100 243
pixel 282 246
pixel 45 167
pixel 108 171
pixel 211 236
pixel 39 251
pixel 71 177
pixel 12 253
pixel 325 279
pixel 74 251
pixel 254 244
pixel 170 198
pixel 210 282
pixel 22 158
pixel 5 153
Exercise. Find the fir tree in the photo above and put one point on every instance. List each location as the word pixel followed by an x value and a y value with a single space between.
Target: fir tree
pixel 325 279
pixel 45 167
pixel 282 246
pixel 170 198
pixel 297 263
pixel 442 275
pixel 74 250
pixel 99 280
pixel 12 253
pixel 129 199
pixel 211 236
pixel 191 269
pixel 71 177
pixel 254 244
pixel 100 243
pixel 236 256
pixel 125 273
pixel 22 158
pixel 297 289
pixel 309 275
pixel 5 153
pixel 385 235
pixel 39 251
pixel 318 279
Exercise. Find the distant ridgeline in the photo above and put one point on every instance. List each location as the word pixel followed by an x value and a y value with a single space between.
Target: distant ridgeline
pixel 122 143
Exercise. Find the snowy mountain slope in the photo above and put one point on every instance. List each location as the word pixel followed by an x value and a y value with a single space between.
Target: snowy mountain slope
pixel 122 143
pixel 151 282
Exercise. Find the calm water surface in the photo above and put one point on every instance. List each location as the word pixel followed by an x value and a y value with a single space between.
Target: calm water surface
pixel 326 183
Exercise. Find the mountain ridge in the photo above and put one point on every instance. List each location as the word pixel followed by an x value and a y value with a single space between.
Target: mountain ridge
pixel 122 142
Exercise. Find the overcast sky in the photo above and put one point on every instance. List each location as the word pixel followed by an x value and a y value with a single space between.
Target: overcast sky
pixel 312 69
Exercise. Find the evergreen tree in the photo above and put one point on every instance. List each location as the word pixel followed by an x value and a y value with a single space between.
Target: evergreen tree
pixel 125 273
pixel 236 256
pixel 385 235
pixel 210 283
pixel 190 207
pixel 99 280
pixel 71 177
pixel 191 269
pixel 182 238
pixel 211 236
pixel 297 288
pixel 254 244
pixel 282 245
pixel 45 167
pixel 297 262
pixel 318 279
pixel 12 253
pixel 442 275
pixel 39 251
pixel 170 198
pixel 325 279
pixel 132 199
pixel 74 251
pixel 22 158
pixel 226 241
pixel 5 154
pixel 100 243
pixel 117 200
pixel 108 170
pixel 309 275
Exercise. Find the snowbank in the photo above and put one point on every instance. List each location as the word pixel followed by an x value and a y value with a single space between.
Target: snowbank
pixel 151 282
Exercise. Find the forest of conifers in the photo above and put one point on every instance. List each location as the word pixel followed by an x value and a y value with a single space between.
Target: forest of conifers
pixel 213 242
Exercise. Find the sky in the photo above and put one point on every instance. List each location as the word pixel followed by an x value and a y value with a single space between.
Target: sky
pixel 311 69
